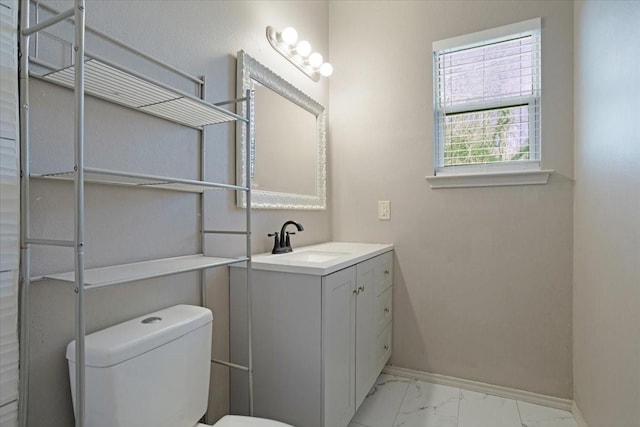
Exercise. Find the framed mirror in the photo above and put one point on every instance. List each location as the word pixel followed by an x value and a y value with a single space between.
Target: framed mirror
pixel 288 147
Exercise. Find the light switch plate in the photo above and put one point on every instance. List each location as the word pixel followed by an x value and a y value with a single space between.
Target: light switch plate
pixel 384 209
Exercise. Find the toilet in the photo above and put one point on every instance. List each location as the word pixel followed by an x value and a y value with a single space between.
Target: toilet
pixel 152 371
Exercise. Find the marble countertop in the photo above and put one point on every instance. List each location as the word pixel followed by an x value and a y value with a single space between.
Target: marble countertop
pixel 320 259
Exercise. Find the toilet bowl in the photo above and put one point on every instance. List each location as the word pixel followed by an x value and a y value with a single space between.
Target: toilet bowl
pixel 152 371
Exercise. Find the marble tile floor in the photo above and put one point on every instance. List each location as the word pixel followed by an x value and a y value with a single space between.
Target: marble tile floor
pixel 402 402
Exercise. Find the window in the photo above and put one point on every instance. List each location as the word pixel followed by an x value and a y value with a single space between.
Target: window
pixel 487 101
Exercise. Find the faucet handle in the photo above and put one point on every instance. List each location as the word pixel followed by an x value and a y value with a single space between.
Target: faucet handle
pixel 287 241
pixel 276 242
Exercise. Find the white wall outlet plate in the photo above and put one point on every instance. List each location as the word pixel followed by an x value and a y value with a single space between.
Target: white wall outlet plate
pixel 384 209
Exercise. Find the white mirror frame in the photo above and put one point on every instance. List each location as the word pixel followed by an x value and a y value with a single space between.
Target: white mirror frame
pixel 250 69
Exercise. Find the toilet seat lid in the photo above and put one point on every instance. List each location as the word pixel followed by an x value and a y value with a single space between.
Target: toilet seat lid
pixel 238 421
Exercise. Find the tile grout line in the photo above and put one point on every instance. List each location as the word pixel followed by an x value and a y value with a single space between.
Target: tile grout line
pixel 459 404
pixel 401 402
pixel 519 414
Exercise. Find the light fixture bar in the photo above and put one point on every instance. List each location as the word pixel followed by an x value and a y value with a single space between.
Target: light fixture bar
pixel 302 62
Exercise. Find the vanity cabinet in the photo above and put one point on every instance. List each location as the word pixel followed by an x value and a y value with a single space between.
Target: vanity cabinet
pixel 356 334
pixel 320 341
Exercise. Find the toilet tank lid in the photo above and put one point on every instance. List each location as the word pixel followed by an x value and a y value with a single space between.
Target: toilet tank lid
pixel 126 340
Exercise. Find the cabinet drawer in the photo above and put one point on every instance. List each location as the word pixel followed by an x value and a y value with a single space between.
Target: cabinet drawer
pixel 384 272
pixel 384 346
pixel 385 307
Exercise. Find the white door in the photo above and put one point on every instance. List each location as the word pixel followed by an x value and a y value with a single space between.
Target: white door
pixel 9 210
pixel 366 329
pixel 338 342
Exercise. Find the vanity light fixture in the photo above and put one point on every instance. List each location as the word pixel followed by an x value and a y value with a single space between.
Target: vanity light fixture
pixel 299 53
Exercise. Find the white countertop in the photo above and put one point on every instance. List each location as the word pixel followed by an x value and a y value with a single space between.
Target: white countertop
pixel 321 259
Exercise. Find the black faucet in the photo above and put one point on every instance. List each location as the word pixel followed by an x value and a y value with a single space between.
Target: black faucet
pixel 282 242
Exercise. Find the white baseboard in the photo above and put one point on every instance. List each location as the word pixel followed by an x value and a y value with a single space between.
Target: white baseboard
pixel 577 414
pixel 496 390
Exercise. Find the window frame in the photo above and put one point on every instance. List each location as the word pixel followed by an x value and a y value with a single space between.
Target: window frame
pixel 514 31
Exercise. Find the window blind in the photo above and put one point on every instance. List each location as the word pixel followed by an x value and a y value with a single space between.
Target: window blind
pixel 487 102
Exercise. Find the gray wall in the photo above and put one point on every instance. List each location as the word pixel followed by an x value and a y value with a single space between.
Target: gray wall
pixel 125 225
pixel 483 275
pixel 607 213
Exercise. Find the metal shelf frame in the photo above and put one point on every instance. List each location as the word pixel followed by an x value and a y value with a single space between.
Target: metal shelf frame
pixel 125 273
pixel 91 75
pixel 107 80
pixel 129 179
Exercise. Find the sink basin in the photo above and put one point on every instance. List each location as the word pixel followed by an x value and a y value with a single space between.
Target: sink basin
pixel 312 256
pixel 320 259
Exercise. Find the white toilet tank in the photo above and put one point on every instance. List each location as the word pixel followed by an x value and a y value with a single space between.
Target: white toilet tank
pixel 148 371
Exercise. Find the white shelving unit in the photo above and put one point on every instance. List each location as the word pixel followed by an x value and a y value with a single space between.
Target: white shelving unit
pixel 124 273
pixel 113 83
pixel 110 177
pixel 90 75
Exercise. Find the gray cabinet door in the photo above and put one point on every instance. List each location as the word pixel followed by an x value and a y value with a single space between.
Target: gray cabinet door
pixel 338 340
pixel 366 329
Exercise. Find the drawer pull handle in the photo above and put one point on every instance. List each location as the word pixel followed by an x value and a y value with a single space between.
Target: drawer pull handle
pixel 386 272
pixel 356 291
pixel 386 309
pixel 361 289
pixel 386 346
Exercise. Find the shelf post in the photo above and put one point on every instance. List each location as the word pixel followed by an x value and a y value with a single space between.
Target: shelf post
pixel 25 247
pixel 79 209
pixel 249 137
pixel 202 199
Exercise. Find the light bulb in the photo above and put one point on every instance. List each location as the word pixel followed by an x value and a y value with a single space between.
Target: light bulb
pixel 289 35
pixel 315 59
pixel 303 48
pixel 326 69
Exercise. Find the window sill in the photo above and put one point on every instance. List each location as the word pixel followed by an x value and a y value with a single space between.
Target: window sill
pixel 496 179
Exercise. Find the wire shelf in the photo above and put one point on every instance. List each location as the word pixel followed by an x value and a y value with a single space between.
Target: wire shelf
pixel 123 87
pixel 124 273
pixel 110 177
